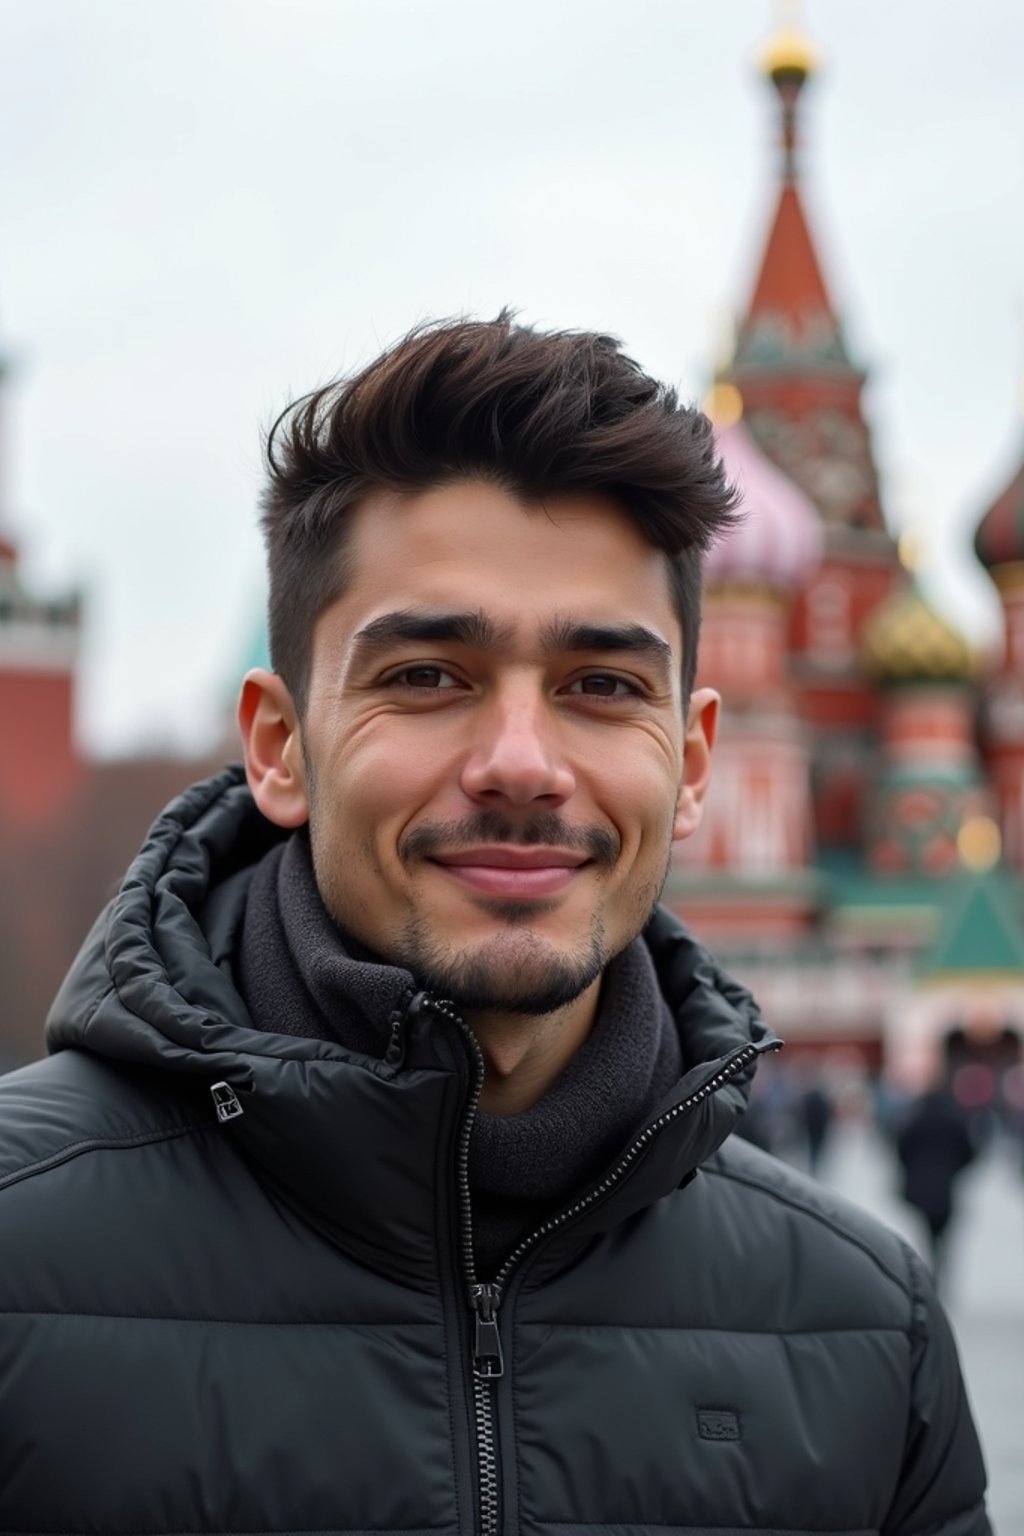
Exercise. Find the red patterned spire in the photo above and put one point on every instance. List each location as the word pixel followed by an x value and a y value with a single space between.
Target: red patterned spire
pixel 790 290
pixel 801 392
pixel 791 317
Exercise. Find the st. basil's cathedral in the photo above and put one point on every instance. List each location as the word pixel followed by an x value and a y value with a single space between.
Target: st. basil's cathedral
pixel 861 863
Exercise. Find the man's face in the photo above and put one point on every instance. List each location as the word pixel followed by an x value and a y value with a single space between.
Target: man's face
pixel 493 743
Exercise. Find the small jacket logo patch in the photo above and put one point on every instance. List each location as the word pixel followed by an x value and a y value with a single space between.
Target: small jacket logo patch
pixel 718 1424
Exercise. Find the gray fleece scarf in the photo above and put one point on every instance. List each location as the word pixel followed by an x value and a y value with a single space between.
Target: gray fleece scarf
pixel 300 974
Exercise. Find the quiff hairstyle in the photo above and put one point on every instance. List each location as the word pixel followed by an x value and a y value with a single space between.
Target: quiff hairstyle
pixel 536 412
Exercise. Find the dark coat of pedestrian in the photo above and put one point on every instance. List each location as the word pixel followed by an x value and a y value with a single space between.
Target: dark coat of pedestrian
pixel 934 1146
pixel 815 1112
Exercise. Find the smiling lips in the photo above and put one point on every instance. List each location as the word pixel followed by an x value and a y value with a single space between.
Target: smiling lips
pixel 513 872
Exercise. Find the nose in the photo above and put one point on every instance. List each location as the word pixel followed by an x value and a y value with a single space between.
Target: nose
pixel 516 754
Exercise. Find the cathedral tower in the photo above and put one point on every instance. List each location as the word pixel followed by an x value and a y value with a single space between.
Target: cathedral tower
pixel 801 395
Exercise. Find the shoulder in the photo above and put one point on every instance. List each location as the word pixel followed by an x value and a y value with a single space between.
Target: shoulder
pixel 60 1109
pixel 102 1168
pixel 834 1264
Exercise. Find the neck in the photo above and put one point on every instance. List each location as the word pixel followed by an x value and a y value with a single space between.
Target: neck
pixel 525 1053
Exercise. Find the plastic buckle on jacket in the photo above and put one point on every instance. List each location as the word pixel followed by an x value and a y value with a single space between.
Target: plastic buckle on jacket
pixel 225 1101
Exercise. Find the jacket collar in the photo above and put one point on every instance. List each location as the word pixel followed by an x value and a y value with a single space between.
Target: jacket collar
pixel 364 1149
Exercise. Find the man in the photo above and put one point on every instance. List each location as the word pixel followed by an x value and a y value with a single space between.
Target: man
pixel 379 1179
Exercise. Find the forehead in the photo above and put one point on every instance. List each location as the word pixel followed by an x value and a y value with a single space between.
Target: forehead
pixel 474 545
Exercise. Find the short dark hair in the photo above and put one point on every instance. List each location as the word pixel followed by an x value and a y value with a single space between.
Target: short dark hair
pixel 537 412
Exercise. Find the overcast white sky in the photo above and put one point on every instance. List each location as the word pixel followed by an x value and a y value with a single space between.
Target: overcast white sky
pixel 209 205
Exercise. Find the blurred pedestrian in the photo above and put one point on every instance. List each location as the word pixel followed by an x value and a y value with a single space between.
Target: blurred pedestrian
pixel 815 1111
pixel 934 1146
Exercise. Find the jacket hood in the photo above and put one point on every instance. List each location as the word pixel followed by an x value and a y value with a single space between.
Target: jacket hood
pixel 152 988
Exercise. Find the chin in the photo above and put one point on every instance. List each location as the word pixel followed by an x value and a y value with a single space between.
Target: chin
pixel 515 971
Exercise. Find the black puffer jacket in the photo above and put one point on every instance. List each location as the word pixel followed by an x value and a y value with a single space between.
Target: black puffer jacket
pixel 263 1325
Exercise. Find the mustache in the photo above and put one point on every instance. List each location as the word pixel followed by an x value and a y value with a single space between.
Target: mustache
pixel 430 839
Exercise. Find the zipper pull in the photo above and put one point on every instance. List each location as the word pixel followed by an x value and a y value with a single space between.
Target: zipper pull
pixel 395 1053
pixel 413 1004
pixel 225 1101
pixel 488 1363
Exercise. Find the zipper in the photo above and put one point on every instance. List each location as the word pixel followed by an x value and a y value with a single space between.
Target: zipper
pixel 488 1365
pixel 730 1068
pixel 484 1299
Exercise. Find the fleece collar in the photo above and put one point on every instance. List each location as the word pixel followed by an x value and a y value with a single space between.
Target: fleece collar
pixel 300 974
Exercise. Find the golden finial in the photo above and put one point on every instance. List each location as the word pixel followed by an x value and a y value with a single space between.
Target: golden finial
pixel 910 549
pixel 789 51
pixel 979 844
pixel 724 404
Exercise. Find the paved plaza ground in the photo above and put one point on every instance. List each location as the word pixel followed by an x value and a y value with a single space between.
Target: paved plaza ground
pixel 985 1292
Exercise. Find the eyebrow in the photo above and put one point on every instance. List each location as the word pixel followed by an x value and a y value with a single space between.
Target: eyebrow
pixel 634 639
pixel 476 629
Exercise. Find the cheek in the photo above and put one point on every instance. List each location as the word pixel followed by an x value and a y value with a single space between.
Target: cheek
pixel 640 795
pixel 379 785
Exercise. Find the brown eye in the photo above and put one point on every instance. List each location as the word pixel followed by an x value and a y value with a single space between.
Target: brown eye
pixel 600 685
pixel 426 677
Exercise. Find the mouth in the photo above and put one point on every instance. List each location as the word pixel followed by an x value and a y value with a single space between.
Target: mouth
pixel 495 870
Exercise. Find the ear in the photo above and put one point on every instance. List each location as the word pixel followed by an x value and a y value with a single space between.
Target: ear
pixel 272 746
pixel 701 730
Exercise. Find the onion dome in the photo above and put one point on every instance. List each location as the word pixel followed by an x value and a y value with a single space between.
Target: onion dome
pixel 999 540
pixel 905 641
pixel 778 540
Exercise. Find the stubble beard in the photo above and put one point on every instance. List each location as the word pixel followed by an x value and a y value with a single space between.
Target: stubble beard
pixel 515 971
